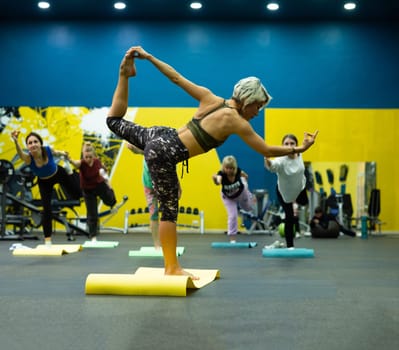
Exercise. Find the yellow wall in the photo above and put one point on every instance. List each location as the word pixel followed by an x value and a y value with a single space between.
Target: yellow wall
pixel 348 135
pixel 345 136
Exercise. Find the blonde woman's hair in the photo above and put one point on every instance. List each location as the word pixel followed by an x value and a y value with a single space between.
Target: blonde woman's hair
pixel 250 90
pixel 88 147
pixel 229 161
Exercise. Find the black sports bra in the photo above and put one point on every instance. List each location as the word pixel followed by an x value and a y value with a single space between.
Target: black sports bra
pixel 206 141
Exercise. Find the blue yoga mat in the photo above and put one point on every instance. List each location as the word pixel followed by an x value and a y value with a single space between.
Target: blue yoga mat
pixel 234 245
pixel 288 253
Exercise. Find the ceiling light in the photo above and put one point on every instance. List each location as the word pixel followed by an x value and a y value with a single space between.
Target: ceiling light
pixel 120 5
pixel 43 5
pixel 350 6
pixel 196 5
pixel 273 6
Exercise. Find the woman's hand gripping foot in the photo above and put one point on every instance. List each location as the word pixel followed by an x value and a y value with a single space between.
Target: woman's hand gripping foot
pixel 128 67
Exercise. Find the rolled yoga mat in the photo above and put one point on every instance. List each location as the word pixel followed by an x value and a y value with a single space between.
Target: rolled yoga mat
pixel 288 253
pixel 148 281
pixel 234 245
pixel 68 248
pixel 100 244
pixel 151 252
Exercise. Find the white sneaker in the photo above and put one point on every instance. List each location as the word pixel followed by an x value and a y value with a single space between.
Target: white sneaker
pixel 275 245
pixel 15 246
pixel 18 246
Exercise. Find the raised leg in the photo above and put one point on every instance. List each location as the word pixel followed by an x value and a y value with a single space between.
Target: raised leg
pixel 121 94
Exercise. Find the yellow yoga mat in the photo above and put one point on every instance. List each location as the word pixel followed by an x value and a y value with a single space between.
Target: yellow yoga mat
pixel 47 251
pixel 151 252
pixel 148 281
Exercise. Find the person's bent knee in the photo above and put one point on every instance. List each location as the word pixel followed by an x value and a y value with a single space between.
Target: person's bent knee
pixel 112 121
pixel 110 202
pixel 169 216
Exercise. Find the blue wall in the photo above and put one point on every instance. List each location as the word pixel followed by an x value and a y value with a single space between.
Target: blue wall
pixel 317 65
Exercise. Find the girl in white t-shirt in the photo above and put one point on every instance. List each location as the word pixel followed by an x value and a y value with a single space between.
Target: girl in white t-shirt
pixel 291 182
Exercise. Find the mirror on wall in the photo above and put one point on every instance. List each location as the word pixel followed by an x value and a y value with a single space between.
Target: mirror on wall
pixel 350 183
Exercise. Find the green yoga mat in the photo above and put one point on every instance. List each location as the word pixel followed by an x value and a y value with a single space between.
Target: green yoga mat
pixel 100 244
pixel 234 245
pixel 151 251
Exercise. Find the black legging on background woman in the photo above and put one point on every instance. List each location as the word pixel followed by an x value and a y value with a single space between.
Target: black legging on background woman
pixel 46 186
pixel 291 220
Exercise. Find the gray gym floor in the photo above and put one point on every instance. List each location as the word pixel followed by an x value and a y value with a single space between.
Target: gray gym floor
pixel 347 297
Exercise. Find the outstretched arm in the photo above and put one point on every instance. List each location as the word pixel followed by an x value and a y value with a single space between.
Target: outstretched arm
pixel 252 139
pixel 198 92
pixel 217 179
pixel 58 153
pixel 128 69
pixel 75 163
pixel 23 155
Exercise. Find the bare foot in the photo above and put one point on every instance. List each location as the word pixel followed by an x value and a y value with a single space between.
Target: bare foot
pixel 180 272
pixel 128 67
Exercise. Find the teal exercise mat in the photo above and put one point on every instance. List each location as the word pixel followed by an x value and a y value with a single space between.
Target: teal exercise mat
pixel 151 251
pixel 234 245
pixel 288 253
pixel 100 244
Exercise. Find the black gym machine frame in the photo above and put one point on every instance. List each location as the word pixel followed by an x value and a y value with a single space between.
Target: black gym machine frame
pixel 25 215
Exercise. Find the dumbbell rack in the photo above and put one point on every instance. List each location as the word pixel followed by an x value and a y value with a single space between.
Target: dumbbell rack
pixel 198 224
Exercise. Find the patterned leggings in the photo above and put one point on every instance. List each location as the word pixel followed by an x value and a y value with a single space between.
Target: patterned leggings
pixel 162 151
